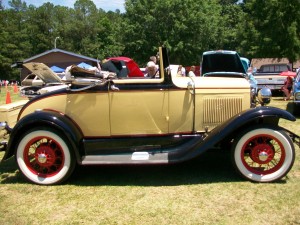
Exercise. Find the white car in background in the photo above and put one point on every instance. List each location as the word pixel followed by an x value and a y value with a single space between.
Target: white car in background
pixel 41 77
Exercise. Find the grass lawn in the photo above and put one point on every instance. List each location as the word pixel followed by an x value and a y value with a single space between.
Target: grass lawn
pixel 204 191
pixel 14 96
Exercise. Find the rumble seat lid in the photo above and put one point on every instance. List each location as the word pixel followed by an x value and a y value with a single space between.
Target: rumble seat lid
pixel 43 72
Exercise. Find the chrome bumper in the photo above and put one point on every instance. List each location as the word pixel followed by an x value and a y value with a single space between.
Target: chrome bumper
pixel 5 130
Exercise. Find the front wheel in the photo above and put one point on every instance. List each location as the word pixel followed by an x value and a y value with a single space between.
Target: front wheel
pixel 263 154
pixel 43 156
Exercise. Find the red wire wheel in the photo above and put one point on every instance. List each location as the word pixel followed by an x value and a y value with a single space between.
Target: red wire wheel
pixel 263 154
pixel 44 157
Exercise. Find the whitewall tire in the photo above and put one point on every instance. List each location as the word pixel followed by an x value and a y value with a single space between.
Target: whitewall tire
pixel 263 154
pixel 44 157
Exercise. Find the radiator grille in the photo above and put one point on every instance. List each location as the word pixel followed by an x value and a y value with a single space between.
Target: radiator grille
pixel 218 110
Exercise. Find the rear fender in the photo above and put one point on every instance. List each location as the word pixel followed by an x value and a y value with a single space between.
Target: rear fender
pixel 49 119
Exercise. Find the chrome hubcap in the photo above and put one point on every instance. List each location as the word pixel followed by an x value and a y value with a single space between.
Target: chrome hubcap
pixel 42 158
pixel 263 156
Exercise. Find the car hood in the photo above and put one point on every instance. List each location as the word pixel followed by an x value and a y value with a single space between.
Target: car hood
pixel 221 61
pixel 43 72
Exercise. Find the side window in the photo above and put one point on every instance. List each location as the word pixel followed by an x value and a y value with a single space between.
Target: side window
pixel 283 68
pixel 266 69
pixel 31 77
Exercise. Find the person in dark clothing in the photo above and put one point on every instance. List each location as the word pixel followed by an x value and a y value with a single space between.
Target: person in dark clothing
pixel 287 87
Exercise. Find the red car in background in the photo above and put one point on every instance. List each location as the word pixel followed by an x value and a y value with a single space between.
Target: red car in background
pixel 123 67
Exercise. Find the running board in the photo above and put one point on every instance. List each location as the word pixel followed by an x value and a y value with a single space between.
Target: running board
pixel 128 158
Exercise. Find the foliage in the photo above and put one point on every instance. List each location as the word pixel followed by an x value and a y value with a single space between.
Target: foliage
pixel 255 28
pixel 271 28
pixel 187 28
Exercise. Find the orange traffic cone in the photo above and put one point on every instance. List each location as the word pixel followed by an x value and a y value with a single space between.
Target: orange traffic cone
pixel 15 88
pixel 8 100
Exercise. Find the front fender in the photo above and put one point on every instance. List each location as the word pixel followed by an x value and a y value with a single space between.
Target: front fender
pixel 49 119
pixel 259 115
pixel 268 115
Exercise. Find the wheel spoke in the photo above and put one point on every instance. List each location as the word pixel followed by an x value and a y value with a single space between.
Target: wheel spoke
pixel 262 154
pixel 44 156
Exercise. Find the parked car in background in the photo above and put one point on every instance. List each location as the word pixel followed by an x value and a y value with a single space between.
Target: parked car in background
pixel 268 75
pixel 32 80
pixel 123 66
pixel 294 105
pixel 106 120
pixel 41 76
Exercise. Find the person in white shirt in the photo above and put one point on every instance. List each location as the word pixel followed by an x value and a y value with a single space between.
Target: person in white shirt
pixel 151 70
pixel 192 72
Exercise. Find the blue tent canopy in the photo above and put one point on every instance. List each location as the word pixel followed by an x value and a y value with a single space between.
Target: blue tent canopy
pixel 84 65
pixel 57 69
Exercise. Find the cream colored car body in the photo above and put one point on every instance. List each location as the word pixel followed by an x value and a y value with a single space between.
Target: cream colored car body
pixel 149 112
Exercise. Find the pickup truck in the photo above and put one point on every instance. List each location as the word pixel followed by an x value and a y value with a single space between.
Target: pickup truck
pixel 104 119
pixel 268 75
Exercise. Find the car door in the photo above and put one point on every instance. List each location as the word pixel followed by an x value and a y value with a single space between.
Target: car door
pixel 139 109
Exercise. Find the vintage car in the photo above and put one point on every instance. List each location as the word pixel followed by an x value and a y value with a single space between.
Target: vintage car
pixel 138 121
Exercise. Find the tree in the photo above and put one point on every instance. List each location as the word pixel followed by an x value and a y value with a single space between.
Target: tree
pixel 271 29
pixel 13 38
pixel 186 27
pixel 232 15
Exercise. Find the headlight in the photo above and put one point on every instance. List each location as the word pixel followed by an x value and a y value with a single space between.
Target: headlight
pixel 297 96
pixel 264 96
pixel 253 91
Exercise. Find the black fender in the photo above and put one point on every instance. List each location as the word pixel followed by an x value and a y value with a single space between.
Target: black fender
pixel 49 119
pixel 258 115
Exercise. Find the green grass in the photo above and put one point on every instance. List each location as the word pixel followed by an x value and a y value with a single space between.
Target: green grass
pixel 14 96
pixel 204 191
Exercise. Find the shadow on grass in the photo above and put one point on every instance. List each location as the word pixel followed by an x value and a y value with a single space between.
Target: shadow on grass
pixel 211 167
pixel 9 173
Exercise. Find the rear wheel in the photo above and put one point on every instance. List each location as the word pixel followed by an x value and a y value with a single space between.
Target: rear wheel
pixel 263 154
pixel 44 157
